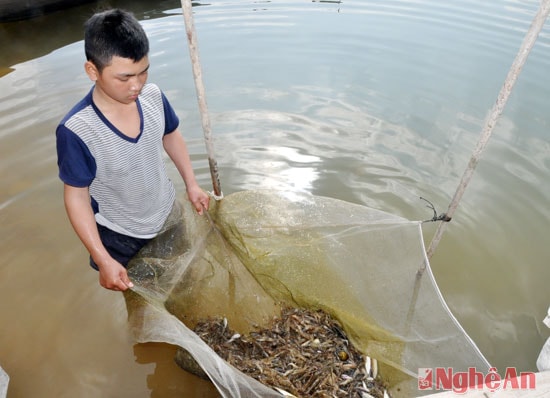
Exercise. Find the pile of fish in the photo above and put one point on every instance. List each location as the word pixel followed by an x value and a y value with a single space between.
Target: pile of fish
pixel 303 353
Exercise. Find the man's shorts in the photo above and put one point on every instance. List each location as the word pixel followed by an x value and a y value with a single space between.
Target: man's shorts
pixel 121 247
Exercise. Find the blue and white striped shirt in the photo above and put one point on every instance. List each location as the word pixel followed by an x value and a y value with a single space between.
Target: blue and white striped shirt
pixel 131 192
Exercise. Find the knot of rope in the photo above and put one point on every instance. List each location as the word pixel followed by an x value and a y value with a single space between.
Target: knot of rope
pixel 440 217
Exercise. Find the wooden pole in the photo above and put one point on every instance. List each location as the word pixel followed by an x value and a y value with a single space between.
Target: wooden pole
pixel 490 122
pixel 201 97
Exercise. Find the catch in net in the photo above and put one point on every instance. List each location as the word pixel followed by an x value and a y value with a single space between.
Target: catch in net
pixel 258 253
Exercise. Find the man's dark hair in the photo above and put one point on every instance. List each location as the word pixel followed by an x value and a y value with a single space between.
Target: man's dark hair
pixel 114 33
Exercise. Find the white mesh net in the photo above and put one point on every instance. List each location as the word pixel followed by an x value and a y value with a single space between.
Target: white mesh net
pixel 258 249
pixel 4 380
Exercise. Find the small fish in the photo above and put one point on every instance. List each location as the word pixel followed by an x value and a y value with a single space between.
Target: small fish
pixel 368 367
pixel 234 337
pixel 371 368
pixel 284 393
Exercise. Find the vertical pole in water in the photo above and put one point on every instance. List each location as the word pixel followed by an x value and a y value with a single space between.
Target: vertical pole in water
pixel 517 65
pixel 199 86
pixel 515 69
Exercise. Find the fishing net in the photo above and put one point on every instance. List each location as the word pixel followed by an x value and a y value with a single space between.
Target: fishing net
pixel 4 380
pixel 256 251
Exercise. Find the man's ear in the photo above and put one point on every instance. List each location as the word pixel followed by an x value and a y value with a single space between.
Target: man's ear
pixel 91 70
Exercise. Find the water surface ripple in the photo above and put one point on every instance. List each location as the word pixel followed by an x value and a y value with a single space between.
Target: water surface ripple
pixel 374 102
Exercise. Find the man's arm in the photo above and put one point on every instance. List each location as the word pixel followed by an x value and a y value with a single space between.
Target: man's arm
pixel 112 274
pixel 175 146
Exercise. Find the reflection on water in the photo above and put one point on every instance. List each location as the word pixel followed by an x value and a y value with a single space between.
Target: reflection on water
pixel 376 103
pixel 27 39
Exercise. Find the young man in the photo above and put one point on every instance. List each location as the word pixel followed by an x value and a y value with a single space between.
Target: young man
pixel 110 150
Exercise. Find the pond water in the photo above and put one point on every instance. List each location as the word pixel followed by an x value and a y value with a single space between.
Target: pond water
pixel 374 102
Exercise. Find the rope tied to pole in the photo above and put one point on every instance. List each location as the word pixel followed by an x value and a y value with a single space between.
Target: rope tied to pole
pixel 440 217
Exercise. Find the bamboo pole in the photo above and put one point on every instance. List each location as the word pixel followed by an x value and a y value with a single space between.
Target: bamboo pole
pixel 201 97
pixel 490 122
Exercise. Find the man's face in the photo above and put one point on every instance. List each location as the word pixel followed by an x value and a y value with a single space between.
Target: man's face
pixel 122 80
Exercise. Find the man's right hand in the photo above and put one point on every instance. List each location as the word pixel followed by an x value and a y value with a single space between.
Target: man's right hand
pixel 112 274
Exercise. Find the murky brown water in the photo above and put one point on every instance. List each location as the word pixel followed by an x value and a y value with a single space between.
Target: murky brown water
pixel 367 101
